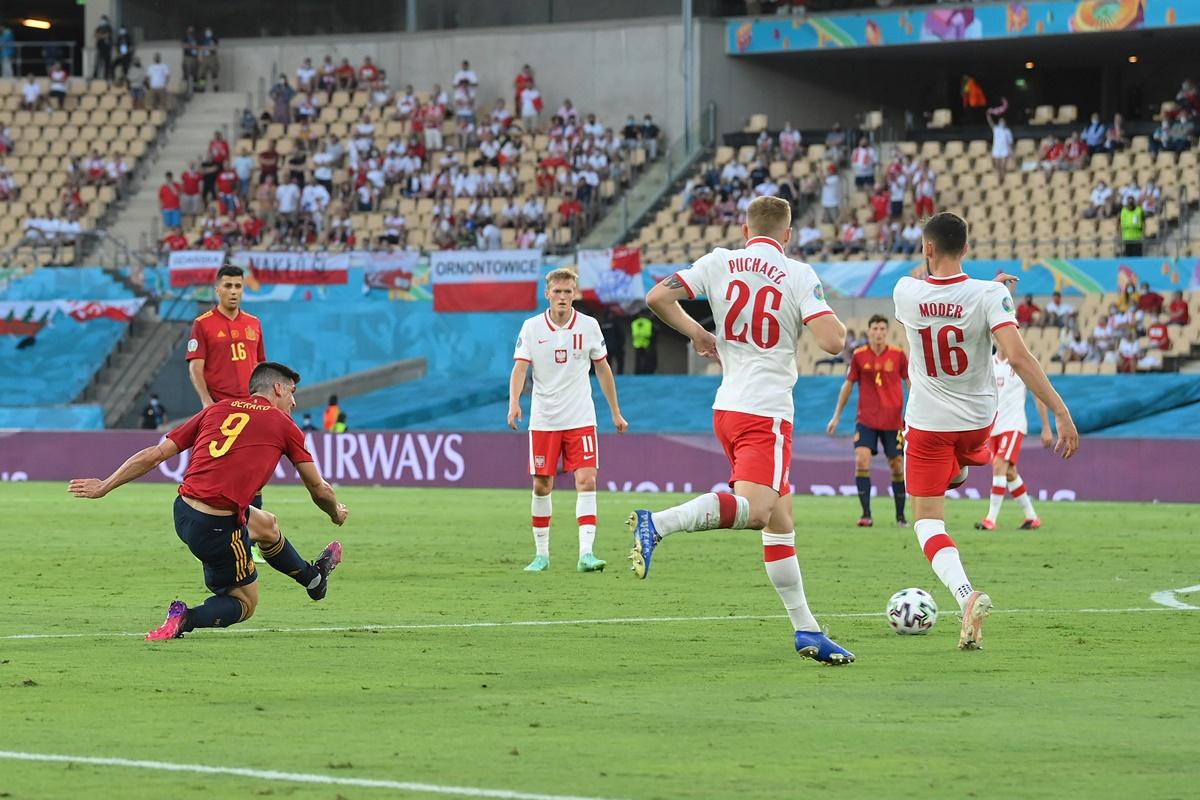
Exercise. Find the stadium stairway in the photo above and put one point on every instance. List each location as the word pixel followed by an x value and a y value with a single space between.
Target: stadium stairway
pixel 186 141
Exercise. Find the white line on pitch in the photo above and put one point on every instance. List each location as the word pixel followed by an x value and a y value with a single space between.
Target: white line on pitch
pixel 422 626
pixel 290 777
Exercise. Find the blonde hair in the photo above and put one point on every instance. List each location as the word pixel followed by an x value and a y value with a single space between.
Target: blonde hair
pixel 562 274
pixel 767 216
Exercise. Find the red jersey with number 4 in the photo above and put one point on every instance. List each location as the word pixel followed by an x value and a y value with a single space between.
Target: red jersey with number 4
pixel 235 446
pixel 880 392
pixel 949 322
pixel 231 349
pixel 760 300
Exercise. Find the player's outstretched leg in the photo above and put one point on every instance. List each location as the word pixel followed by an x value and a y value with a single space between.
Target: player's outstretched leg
pixel 1020 493
pixel 704 513
pixel 943 556
pixel 326 563
pixel 218 611
pixel 540 508
pixel 282 556
pixel 779 558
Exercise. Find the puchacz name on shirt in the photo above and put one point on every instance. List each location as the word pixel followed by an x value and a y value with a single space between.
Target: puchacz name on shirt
pixel 953 310
pixel 747 264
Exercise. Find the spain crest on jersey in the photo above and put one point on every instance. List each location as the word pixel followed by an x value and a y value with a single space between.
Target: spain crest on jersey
pixel 251 334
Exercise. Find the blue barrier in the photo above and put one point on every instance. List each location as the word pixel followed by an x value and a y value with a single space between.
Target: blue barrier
pixel 60 418
pixel 71 283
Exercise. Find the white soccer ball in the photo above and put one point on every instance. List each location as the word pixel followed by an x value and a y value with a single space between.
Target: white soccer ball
pixel 911 612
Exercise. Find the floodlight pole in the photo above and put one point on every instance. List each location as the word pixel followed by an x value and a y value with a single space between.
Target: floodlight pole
pixel 688 74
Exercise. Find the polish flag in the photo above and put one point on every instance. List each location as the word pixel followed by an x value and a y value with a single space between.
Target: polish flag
pixel 485 280
pixel 611 276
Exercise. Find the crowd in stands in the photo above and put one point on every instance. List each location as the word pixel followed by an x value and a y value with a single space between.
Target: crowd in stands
pixel 341 160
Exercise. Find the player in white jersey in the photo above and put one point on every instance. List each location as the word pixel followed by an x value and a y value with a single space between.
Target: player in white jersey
pixel 1007 435
pixel 760 299
pixel 951 321
pixel 562 345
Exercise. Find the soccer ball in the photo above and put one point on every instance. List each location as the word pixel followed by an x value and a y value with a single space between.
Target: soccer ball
pixel 911 612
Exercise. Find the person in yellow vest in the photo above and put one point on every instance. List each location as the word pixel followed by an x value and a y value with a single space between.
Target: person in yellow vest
pixel 1133 223
pixel 340 425
pixel 645 360
pixel 331 414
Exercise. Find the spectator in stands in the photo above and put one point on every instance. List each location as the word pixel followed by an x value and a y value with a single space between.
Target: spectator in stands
pixel 7 51
pixel 897 191
pixel 1120 314
pixel 306 110
pixel 103 37
pixel 1075 349
pixel 190 184
pixel 96 169
pixel 1075 153
pixel 135 82
pixel 367 72
pixel 314 200
pixel 910 237
pixel 809 240
pixel 1094 134
pixel 332 412
pixel 1058 313
pixel 210 63
pixel 306 76
pixel 218 149
pixel 702 208
pixel 307 424
pixel 1150 198
pixel 764 145
pixel 1027 312
pixel 432 116
pixel 523 81
pixel 124 50
pixel 831 195
pixel 1101 204
pixel 649 134
pixel 268 162
pixel 852 239
pixel 168 202
pixel 1115 138
pixel 568 113
pixel 1178 309
pixel 154 414
pixel 924 190
pixel 863 161
pixel 1002 144
pixel 287 203
pixel 31 93
pixel 281 97
pixel 58 77
pixel 252 228
pixel 265 198
pixel 1161 138
pixel 879 203
pixel 6 140
pixel 1052 155
pixel 243 168
pixel 1129 352
pixel 1133 220
pixel 835 144
pixel 175 240
pixel 158 76
pixel 191 56
pixel 406 107
pixel 1149 301
pixel 327 78
pixel 1158 333
pixel 8 186
pixel 789 144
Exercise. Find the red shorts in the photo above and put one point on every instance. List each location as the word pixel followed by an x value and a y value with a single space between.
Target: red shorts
pixel 759 449
pixel 933 459
pixel 576 446
pixel 924 207
pixel 1008 446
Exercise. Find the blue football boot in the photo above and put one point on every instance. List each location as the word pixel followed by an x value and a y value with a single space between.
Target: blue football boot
pixel 819 647
pixel 644 540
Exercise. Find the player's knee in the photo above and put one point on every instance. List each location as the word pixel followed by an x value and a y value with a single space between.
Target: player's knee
pixel 758 518
pixel 585 483
pixel 542 485
pixel 1011 472
pixel 1000 467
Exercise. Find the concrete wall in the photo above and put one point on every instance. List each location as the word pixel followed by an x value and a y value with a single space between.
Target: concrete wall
pixel 608 67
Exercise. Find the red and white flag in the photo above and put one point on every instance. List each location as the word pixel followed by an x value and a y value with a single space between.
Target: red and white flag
pixel 391 271
pixel 612 276
pixel 118 310
pixel 485 280
pixel 194 267
pixel 296 268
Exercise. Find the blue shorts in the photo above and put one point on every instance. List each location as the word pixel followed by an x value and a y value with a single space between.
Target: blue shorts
pixel 172 219
pixel 871 438
pixel 220 544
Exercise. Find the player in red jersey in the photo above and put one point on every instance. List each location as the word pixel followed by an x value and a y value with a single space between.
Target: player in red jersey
pixel 880 370
pixel 760 299
pixel 951 321
pixel 235 446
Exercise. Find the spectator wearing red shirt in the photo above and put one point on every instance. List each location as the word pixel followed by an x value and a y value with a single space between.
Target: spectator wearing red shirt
pixel 569 209
pixel 189 190
pixel 213 240
pixel 702 208
pixel 227 188
pixel 218 149
pixel 1052 155
pixel 168 202
pixel 175 240
pixel 1180 315
pixel 1159 334
pixel 368 72
pixel 252 228
pixel 879 204
pixel 1027 312
pixel 345 75
pixel 1150 301
pixel 522 82
pixel 1074 152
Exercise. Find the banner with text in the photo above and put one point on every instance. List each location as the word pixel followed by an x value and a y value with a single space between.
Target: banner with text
pixel 192 267
pixel 485 280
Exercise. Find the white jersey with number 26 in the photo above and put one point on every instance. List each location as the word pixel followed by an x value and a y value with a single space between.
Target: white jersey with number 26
pixel 949 322
pixel 760 299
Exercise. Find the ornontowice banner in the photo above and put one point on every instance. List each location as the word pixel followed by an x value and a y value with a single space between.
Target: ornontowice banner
pixel 485 280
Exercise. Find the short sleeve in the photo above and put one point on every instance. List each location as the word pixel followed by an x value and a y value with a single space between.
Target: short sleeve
pixel 196 347
pixel 998 306
pixel 903 365
pixel 852 374
pixel 812 297
pixel 262 346
pixel 523 352
pixel 184 436
pixel 294 447
pixel 599 348
pixel 898 299
pixel 696 277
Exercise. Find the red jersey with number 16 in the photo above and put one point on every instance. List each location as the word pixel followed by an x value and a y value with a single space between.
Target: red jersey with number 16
pixel 236 445
pixel 880 392
pixel 231 349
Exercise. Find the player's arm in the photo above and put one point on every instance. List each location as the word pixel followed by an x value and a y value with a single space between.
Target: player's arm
pixel 196 373
pixel 1009 340
pixel 829 332
pixel 664 299
pixel 322 493
pixel 516 383
pixel 608 385
pixel 1047 434
pixel 134 467
pixel 843 398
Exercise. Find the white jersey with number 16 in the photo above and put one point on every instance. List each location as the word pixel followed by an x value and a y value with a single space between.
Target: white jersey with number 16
pixel 949 322
pixel 760 299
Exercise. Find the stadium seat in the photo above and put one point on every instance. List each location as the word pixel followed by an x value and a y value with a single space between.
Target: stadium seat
pixel 942 118
pixel 1042 115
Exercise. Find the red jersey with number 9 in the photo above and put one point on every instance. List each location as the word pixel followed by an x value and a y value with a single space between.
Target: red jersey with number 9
pixel 235 446
pixel 949 322
pixel 231 349
pixel 760 300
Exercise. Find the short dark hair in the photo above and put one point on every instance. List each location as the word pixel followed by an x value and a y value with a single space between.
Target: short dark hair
pixel 333 399
pixel 877 318
pixel 268 373
pixel 229 270
pixel 947 232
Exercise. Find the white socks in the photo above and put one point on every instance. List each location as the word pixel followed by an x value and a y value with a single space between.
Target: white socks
pixel 943 557
pixel 540 509
pixel 1021 495
pixel 704 513
pixel 998 489
pixel 585 514
pixel 779 557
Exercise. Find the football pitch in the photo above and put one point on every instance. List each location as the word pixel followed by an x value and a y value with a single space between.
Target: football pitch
pixel 436 667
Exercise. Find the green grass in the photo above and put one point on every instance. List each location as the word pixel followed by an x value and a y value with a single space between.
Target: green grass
pixel 1061 703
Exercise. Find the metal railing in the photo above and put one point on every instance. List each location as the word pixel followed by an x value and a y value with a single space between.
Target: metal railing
pixel 36 58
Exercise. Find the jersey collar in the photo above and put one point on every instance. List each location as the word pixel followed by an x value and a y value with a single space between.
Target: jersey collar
pixel 567 327
pixel 218 312
pixel 936 281
pixel 765 240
